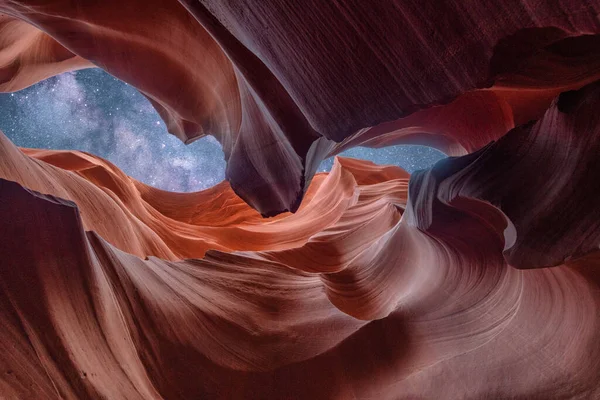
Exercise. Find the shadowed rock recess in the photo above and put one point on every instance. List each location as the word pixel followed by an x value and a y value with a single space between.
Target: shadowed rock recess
pixel 478 278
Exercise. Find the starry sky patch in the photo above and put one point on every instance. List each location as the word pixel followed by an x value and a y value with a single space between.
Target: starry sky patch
pixel 90 110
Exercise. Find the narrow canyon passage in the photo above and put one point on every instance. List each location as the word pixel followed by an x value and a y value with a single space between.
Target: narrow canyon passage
pixel 317 200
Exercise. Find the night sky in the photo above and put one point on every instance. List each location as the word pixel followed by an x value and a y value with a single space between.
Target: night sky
pixel 92 111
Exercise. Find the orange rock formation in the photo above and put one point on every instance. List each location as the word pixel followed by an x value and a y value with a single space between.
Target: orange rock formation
pixel 478 278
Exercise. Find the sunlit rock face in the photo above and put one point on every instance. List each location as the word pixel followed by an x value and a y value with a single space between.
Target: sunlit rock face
pixel 477 278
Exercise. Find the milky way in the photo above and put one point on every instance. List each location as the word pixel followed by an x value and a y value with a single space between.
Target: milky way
pixel 89 110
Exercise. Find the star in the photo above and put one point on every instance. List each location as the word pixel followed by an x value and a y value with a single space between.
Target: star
pixel 92 111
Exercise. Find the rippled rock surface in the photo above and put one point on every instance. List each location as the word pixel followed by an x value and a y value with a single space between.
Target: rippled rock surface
pixel 281 83
pixel 478 278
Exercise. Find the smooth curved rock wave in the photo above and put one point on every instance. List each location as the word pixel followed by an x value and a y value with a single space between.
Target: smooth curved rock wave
pixel 361 293
pixel 280 83
pixel 477 278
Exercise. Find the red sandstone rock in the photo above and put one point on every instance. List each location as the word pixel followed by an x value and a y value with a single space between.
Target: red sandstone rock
pixel 362 304
pixel 113 289
pixel 284 79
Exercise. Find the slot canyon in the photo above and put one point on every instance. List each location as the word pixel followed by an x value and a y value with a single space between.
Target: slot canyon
pixel 474 274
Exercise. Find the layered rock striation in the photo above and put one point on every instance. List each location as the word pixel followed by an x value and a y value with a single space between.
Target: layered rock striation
pixel 478 278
